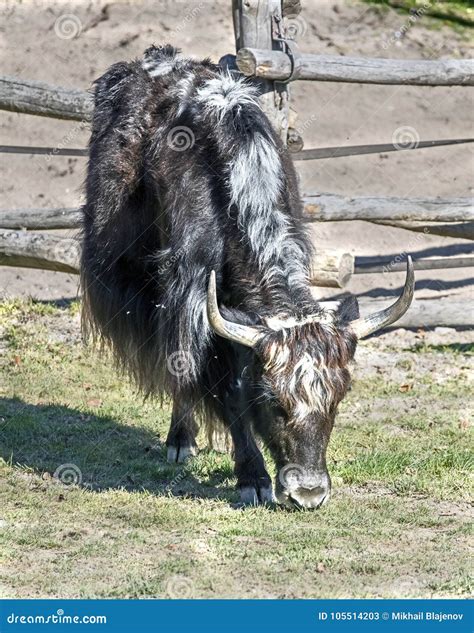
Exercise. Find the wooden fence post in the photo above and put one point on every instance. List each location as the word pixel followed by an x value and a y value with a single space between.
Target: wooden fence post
pixel 255 24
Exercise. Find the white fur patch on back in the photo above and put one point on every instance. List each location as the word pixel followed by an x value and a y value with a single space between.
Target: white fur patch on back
pixel 222 94
pixel 255 181
pixel 183 91
pixel 158 68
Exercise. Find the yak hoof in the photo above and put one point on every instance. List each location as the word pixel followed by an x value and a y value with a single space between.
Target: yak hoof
pixel 266 495
pixel 250 496
pixel 178 455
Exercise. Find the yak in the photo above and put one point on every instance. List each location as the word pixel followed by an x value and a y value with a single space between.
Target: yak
pixel 195 271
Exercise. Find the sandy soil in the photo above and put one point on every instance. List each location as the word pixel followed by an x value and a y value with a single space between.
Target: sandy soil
pixel 329 114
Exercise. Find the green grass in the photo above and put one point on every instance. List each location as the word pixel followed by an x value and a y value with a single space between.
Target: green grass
pixel 466 349
pixel 135 526
pixel 455 12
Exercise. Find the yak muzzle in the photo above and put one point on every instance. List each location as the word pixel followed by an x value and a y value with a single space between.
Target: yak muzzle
pixel 300 488
pixel 309 497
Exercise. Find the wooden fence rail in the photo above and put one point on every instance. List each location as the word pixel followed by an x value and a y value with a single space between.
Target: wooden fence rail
pixel 39 219
pixel 39 98
pixel 329 207
pixel 278 66
pixel 39 250
pixel 405 213
pixel 330 268
pixel 264 54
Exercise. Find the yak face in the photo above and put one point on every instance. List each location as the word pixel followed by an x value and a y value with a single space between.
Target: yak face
pixel 303 374
pixel 304 377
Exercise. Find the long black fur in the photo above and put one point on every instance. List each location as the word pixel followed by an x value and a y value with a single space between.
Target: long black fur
pixel 157 221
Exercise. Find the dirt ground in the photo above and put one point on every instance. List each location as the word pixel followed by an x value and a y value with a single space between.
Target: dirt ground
pixel 72 43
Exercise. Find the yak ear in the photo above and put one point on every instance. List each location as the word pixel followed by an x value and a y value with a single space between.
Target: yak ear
pixel 348 310
pixel 236 315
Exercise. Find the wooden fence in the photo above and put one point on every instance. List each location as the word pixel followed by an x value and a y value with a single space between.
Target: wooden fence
pixel 266 53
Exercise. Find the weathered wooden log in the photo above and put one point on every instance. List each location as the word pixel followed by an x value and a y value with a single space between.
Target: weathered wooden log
pixel 329 207
pixel 50 252
pixel 253 27
pixel 407 213
pixel 39 250
pixel 37 97
pixel 464 230
pixel 277 66
pixel 331 268
pixel 425 313
pixel 38 219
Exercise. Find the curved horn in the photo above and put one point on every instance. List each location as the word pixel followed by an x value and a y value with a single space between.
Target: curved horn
pixel 243 334
pixel 368 325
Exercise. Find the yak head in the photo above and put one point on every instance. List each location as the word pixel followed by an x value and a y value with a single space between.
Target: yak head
pixel 303 376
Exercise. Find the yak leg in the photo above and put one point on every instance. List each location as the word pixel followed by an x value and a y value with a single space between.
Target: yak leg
pixel 181 440
pixel 253 481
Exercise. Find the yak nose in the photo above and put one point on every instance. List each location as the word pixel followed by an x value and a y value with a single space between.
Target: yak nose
pixel 302 487
pixel 309 497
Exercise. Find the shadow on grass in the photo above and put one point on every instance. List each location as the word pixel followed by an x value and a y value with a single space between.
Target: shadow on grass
pixel 98 453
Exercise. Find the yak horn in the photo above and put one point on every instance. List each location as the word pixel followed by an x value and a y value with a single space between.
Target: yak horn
pixel 368 325
pixel 243 334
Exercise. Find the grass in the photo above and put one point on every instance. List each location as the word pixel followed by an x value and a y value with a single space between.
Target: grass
pixel 455 12
pixel 130 525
